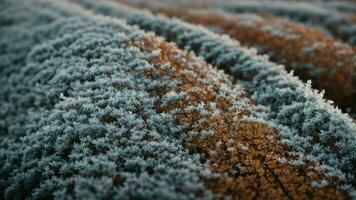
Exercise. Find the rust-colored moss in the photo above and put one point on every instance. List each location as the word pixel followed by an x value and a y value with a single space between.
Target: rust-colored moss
pixel 246 152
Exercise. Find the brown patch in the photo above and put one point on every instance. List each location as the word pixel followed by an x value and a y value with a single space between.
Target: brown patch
pixel 246 152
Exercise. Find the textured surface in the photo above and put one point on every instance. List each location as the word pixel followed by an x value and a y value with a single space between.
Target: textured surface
pixel 307 123
pixel 93 108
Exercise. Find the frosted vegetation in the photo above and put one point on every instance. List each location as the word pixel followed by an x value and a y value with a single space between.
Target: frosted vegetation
pixel 307 123
pixel 79 120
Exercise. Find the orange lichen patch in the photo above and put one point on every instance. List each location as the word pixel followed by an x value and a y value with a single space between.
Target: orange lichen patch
pixel 249 156
pixel 313 56
pixel 246 153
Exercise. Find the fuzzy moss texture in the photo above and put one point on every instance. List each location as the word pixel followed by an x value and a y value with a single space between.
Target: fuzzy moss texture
pixel 93 108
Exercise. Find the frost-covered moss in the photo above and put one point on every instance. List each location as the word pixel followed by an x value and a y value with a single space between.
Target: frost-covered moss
pixel 106 111
pixel 307 123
